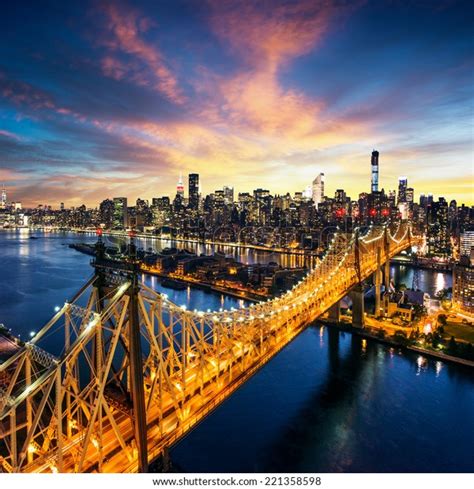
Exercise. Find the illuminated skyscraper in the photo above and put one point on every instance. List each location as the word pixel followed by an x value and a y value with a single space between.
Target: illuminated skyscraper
pixel 318 189
pixel 402 189
pixel 180 187
pixel 3 198
pixel 375 171
pixel 466 243
pixel 193 191
pixel 120 217
pixel 463 285
pixel 228 195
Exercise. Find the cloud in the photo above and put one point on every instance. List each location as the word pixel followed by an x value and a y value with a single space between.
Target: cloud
pixel 269 33
pixel 8 134
pixel 124 35
pixel 257 93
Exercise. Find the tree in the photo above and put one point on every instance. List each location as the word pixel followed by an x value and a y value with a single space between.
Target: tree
pixel 436 339
pixel 452 346
pixel 442 294
pixel 419 310
pixel 446 304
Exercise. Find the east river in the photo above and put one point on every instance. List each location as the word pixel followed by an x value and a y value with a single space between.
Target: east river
pixel 329 402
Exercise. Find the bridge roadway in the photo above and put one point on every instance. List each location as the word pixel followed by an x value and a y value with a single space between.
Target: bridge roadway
pixel 182 387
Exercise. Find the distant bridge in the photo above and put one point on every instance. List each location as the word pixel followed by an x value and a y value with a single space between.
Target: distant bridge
pixel 137 372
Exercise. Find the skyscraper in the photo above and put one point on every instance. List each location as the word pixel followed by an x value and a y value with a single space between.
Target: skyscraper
pixel 402 189
pixel 375 171
pixel 193 191
pixel 466 242
pixel 3 198
pixel 180 187
pixel 120 218
pixel 318 189
pixel 228 195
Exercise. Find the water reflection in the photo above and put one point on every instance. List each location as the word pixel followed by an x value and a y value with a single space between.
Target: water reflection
pixel 440 281
pixel 358 408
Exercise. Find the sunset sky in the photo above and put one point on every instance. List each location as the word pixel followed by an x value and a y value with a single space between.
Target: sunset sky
pixel 104 99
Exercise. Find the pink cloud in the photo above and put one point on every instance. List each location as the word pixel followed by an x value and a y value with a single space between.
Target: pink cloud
pixel 126 29
pixel 9 134
pixel 267 37
pixel 267 40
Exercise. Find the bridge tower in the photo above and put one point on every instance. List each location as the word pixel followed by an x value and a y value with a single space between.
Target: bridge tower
pixel 357 292
pixel 103 271
pixel 387 261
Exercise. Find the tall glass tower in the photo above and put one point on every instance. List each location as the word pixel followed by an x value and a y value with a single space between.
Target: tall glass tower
pixel 193 191
pixel 375 171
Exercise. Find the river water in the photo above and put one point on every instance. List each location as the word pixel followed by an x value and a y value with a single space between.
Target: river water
pixel 329 401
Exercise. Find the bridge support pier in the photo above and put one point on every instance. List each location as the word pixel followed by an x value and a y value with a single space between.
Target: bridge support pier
pixel 378 285
pixel 386 273
pixel 334 312
pixel 357 296
pixel 136 372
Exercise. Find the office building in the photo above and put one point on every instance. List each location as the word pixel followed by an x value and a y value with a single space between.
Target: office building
pixel 374 163
pixel 318 189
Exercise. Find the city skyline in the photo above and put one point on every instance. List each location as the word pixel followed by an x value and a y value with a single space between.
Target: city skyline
pixel 182 191
pixel 132 94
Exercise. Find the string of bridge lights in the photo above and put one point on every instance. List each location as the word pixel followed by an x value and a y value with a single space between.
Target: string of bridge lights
pixel 277 308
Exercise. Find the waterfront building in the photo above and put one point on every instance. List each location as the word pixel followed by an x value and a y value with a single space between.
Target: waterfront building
pixel 466 243
pixel 3 198
pixel 463 285
pixel 439 239
pixel 106 213
pixel 120 217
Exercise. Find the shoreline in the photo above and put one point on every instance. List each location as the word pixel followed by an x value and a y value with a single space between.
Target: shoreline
pixel 302 254
pixel 206 242
pixel 391 342
pixel 208 287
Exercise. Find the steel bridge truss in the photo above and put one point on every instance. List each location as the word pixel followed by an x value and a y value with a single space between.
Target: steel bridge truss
pixel 73 411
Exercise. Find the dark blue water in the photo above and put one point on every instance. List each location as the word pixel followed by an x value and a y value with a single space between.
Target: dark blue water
pixel 328 402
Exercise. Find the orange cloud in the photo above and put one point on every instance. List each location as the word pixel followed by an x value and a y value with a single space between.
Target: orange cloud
pixel 266 33
pixel 267 40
